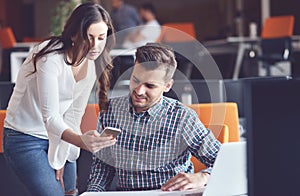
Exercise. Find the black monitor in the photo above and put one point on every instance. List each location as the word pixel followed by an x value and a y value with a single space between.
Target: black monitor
pixel 272 109
pixel 235 91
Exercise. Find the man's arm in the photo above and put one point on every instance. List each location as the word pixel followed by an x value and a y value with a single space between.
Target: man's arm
pixel 183 181
pixel 204 146
pixel 101 176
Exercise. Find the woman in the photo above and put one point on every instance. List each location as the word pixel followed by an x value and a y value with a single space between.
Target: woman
pixel 42 136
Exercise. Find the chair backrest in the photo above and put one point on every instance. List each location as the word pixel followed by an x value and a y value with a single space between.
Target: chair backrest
pixel 2 117
pixel 276 49
pixel 221 132
pixel 90 118
pixel 219 114
pixel 7 38
pixel 177 32
pixel 278 26
pixel 276 43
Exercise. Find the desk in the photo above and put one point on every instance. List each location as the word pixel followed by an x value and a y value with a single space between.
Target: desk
pixel 246 43
pixel 17 58
pixel 122 52
pixel 145 193
pixel 243 44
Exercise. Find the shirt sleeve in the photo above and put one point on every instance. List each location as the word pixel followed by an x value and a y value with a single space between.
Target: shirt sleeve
pixel 101 176
pixel 48 71
pixel 200 141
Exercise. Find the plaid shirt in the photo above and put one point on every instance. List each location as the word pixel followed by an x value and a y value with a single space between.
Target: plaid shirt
pixel 153 146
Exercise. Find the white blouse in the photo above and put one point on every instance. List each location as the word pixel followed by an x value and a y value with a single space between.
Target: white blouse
pixel 49 101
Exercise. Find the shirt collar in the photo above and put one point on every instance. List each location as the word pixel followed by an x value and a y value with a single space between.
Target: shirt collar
pixel 153 111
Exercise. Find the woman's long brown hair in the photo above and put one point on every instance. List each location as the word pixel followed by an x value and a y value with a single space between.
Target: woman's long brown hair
pixel 76 27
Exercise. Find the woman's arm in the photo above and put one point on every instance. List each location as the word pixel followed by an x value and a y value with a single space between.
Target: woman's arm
pixel 89 141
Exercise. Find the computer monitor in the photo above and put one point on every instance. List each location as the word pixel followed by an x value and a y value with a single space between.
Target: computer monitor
pixel 235 91
pixel 272 109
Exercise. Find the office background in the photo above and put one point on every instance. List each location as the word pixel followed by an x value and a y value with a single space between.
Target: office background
pixel 213 19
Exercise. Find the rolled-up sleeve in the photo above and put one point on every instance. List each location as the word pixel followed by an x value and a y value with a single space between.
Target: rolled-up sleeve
pixel 200 141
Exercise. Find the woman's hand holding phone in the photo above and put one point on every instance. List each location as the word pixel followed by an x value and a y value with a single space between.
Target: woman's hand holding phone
pixel 93 142
pixel 110 131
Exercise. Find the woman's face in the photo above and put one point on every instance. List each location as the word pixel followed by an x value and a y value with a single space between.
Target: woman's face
pixel 97 34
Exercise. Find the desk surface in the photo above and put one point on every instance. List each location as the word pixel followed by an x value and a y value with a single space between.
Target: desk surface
pixel 145 193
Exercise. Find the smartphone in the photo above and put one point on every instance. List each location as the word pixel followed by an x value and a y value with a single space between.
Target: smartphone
pixel 110 131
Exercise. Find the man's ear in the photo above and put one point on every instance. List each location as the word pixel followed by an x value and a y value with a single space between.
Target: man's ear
pixel 169 86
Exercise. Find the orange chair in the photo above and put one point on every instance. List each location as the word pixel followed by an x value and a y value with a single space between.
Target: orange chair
pixel 177 32
pixel 278 26
pixel 220 113
pixel 182 38
pixel 90 118
pixel 33 39
pixel 2 117
pixel 276 42
pixel 212 114
pixel 7 38
pixel 221 132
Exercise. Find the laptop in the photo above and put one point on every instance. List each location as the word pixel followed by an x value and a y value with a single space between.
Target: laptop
pixel 229 174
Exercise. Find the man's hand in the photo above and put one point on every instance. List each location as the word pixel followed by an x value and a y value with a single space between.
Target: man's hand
pixel 183 181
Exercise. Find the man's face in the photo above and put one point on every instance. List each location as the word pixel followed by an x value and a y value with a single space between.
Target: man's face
pixel 147 87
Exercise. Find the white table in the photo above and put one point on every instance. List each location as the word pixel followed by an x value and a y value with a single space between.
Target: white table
pixel 122 52
pixel 144 193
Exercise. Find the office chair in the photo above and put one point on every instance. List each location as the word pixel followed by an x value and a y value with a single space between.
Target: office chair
pixel 276 44
pixel 177 32
pixel 220 113
pixel 181 37
pixel 2 117
pixel 211 114
pixel 8 44
pixel 221 132
pixel 7 38
pixel 89 118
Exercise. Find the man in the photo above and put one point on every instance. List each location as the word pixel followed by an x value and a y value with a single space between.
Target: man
pixel 158 136
pixel 124 16
pixel 148 32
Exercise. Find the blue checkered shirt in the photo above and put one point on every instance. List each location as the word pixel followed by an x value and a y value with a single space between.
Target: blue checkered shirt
pixel 153 146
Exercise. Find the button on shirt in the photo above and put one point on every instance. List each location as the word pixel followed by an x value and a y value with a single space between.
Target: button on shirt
pixel 153 146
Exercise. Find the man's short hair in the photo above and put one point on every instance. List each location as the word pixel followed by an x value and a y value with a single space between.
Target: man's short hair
pixel 155 55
